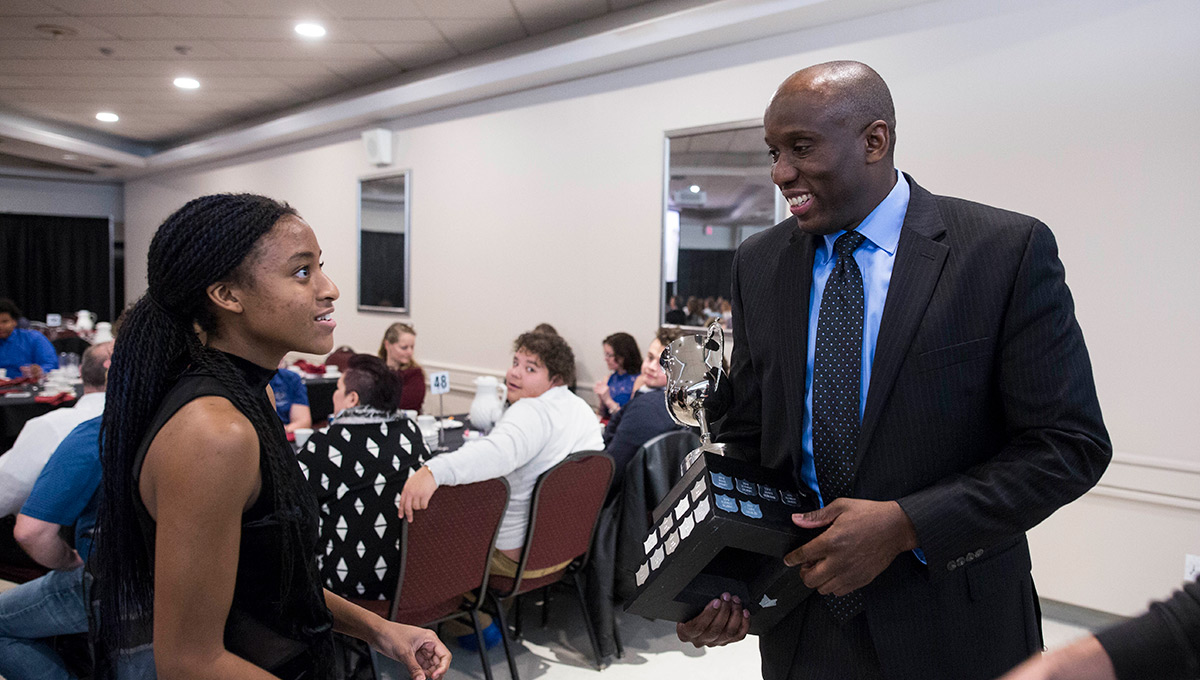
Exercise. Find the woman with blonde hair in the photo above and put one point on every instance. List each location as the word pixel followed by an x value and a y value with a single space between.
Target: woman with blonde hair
pixel 396 349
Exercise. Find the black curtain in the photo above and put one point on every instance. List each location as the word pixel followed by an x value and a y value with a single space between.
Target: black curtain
pixel 704 273
pixel 381 273
pixel 56 265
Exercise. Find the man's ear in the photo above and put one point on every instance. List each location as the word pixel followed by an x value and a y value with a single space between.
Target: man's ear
pixel 351 399
pixel 878 141
pixel 223 295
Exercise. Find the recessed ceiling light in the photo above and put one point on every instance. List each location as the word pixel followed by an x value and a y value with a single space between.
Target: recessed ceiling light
pixel 107 117
pixel 187 83
pixel 695 188
pixel 310 30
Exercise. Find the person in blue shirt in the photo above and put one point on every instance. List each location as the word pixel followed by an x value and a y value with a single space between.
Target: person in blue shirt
pixel 21 348
pixel 65 494
pixel 291 400
pixel 623 358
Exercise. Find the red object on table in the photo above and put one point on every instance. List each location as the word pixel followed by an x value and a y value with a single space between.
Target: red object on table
pixel 309 368
pixel 55 399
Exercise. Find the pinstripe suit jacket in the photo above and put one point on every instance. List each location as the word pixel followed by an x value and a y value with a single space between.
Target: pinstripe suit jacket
pixel 981 419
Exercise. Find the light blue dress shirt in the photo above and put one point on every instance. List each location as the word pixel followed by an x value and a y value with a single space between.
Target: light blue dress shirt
pixel 875 258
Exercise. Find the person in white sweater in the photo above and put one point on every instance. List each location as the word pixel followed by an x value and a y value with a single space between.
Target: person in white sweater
pixel 544 423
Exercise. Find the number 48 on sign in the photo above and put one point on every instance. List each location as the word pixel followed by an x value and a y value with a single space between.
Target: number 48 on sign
pixel 439 383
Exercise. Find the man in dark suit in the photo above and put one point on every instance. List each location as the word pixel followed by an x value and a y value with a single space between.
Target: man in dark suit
pixel 914 359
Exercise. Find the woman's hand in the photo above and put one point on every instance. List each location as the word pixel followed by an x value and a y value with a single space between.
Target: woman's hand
pixel 601 389
pixel 417 491
pixel 419 649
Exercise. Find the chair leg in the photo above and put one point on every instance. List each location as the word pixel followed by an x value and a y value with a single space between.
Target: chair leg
pixel 483 655
pixel 587 619
pixel 518 617
pixel 616 633
pixel 512 664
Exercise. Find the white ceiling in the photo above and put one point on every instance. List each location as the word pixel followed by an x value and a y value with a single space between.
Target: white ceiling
pixel 262 85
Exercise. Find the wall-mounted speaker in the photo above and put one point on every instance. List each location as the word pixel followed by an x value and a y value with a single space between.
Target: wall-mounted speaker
pixel 378 144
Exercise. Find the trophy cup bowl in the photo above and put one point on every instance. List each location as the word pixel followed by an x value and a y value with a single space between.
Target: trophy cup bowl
pixel 698 390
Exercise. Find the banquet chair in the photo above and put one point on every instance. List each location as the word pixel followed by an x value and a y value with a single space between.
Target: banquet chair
pixel 445 554
pixel 562 517
pixel 340 357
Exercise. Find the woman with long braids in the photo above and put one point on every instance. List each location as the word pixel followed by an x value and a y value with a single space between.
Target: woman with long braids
pixel 207 531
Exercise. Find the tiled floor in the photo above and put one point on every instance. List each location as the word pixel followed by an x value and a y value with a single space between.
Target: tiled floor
pixel 561 651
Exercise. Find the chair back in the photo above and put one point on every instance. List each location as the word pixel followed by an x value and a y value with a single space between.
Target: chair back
pixel 446 550
pixel 649 476
pixel 562 516
pixel 340 357
pixel 662 459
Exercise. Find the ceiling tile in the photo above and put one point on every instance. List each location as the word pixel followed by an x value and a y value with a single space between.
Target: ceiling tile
pixel 238 28
pixel 363 73
pixel 16 8
pixel 572 10
pixel 474 35
pixel 623 4
pixel 262 49
pixel 409 56
pixel 122 49
pixel 197 7
pixel 391 30
pixel 86 8
pixel 288 9
pixel 315 87
pixel 144 28
pixel 10 81
pixel 467 9
pixel 373 9
pixel 26 28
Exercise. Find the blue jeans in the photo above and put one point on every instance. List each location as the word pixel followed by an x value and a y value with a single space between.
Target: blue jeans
pixel 55 604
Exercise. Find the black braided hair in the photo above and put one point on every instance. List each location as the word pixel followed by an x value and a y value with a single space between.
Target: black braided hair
pixel 206 241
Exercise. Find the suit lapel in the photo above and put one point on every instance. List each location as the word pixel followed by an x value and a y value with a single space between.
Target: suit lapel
pixel 920 256
pixel 794 284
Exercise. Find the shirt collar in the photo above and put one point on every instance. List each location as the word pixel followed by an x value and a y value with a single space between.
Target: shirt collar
pixel 882 226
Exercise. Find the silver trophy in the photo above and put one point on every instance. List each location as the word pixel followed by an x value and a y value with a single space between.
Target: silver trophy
pixel 698 390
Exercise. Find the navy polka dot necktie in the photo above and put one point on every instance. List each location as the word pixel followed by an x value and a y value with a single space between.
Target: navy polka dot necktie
pixel 837 372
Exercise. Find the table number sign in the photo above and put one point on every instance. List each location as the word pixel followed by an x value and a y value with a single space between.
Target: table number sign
pixel 439 382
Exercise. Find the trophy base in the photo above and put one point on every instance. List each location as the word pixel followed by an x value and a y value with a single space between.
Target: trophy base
pixel 724 528
pixel 693 456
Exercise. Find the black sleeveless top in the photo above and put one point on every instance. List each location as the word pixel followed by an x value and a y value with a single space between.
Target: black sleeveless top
pixel 275 627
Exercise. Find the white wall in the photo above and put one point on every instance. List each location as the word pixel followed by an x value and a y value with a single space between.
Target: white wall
pixel 546 206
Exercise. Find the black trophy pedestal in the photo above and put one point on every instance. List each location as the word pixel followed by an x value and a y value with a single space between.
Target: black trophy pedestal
pixel 724 528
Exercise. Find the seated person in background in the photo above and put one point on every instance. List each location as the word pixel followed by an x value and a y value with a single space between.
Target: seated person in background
pixel 291 400
pixel 20 467
pixel 674 315
pixel 622 357
pixel 645 416
pixel 22 350
pixel 695 312
pixel 55 604
pixel 397 348
pixel 544 424
pixel 357 467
